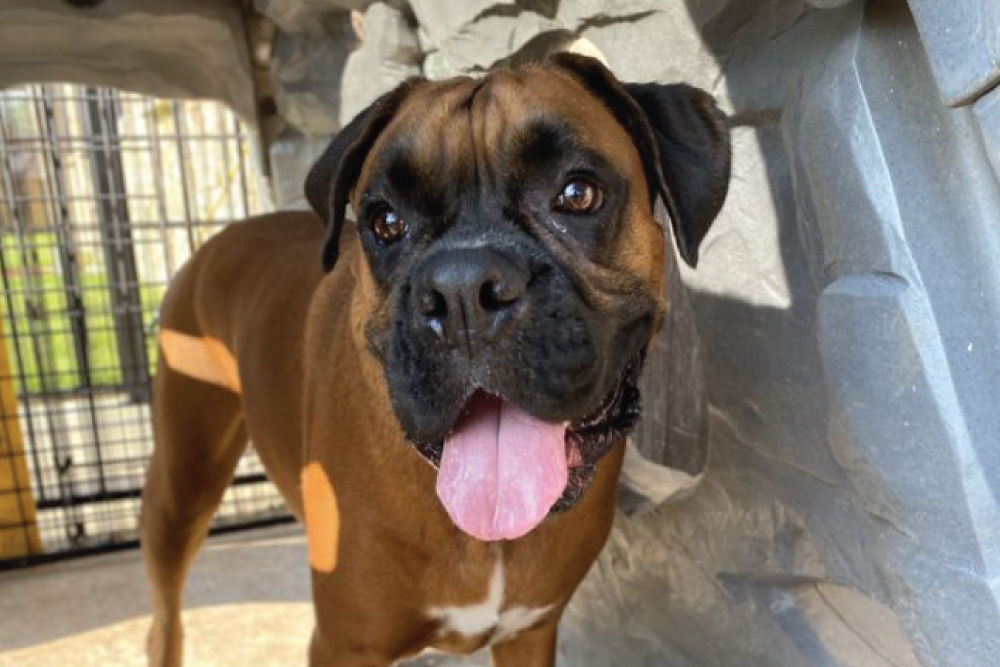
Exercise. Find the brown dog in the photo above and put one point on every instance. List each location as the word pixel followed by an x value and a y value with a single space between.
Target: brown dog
pixel 441 392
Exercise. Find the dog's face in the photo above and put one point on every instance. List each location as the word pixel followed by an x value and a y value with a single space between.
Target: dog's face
pixel 507 223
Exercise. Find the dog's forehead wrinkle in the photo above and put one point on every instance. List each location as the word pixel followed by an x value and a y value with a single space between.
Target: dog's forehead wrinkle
pixel 542 138
pixel 407 178
pixel 497 108
pixel 478 119
pixel 427 146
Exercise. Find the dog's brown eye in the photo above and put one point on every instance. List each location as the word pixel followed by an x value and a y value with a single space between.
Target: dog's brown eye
pixel 579 196
pixel 389 226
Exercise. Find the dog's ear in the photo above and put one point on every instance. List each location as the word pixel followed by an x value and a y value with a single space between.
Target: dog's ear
pixel 681 137
pixel 330 180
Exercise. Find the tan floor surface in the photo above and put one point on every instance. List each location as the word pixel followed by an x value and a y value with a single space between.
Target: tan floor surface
pixel 247 603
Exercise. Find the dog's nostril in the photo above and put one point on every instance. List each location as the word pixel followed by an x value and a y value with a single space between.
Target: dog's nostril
pixel 496 294
pixel 432 304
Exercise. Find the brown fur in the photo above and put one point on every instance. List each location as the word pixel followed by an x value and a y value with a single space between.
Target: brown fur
pixel 313 392
pixel 399 552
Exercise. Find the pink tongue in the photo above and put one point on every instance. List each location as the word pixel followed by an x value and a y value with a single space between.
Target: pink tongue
pixel 501 470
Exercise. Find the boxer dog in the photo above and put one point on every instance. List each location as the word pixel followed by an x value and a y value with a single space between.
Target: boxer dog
pixel 441 390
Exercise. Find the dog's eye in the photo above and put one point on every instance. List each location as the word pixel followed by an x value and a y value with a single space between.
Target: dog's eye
pixel 388 226
pixel 579 196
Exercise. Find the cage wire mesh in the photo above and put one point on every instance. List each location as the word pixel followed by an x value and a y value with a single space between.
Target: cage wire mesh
pixel 103 195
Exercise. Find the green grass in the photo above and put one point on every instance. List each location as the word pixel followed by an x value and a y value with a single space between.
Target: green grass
pixel 38 294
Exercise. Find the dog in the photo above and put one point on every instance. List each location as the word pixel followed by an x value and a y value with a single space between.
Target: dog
pixel 442 389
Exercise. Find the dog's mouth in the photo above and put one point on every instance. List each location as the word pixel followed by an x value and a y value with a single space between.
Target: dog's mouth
pixel 502 471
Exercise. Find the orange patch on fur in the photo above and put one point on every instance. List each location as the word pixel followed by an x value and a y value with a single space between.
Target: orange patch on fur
pixel 322 517
pixel 205 359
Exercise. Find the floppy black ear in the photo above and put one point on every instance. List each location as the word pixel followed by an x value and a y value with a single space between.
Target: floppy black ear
pixel 682 139
pixel 329 182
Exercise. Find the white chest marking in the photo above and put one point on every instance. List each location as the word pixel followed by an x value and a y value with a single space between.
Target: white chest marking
pixel 489 616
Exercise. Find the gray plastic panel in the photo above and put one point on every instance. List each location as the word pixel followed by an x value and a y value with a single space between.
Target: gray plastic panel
pixel 181 48
pixel 962 40
pixel 987 111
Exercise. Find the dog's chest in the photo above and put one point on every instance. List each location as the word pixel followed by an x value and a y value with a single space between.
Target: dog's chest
pixel 490 621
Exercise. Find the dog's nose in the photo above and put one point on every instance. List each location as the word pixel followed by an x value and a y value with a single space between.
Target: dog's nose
pixel 466 296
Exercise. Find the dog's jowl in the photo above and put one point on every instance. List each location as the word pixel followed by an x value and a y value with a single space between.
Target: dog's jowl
pixel 441 387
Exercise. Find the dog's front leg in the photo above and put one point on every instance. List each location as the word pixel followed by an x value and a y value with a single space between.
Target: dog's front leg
pixel 531 648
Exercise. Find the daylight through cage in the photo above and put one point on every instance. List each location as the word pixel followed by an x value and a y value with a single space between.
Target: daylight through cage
pixel 103 195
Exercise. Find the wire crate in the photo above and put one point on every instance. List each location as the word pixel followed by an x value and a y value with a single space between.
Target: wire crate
pixel 103 195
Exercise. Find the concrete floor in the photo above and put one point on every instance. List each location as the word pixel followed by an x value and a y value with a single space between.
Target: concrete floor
pixel 247 603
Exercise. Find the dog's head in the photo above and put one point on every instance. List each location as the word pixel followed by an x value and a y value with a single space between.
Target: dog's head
pixel 507 224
